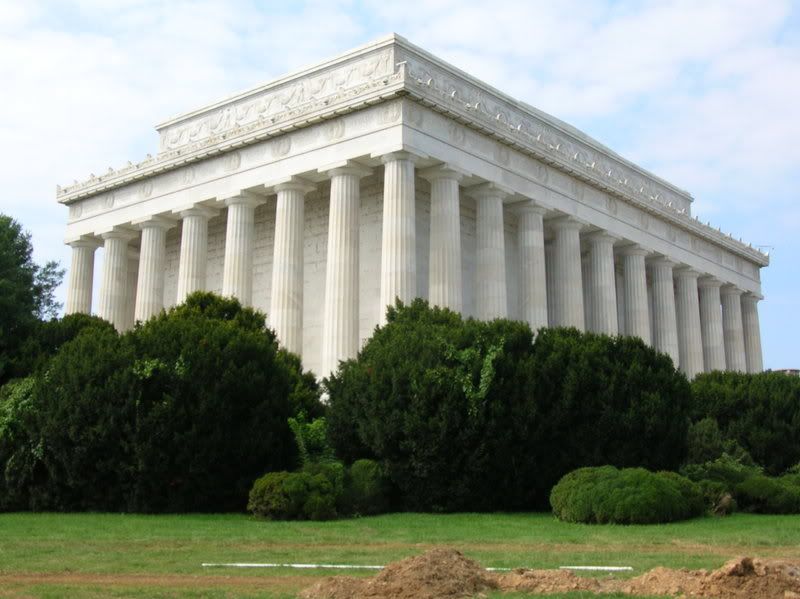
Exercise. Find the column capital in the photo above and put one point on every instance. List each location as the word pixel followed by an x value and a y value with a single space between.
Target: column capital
pixel 155 222
pixel 85 241
pixel 443 171
pixel 752 296
pixel 662 261
pixel 708 282
pixel 345 167
pixel 123 233
pixel 528 207
pixel 601 237
pixel 247 198
pixel 686 272
pixel 409 155
pixel 291 184
pixel 196 210
pixel 729 289
pixel 633 250
pixel 566 222
pixel 489 190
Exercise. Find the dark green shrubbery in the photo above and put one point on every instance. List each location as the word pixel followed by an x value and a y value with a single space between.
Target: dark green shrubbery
pixel 180 414
pixel 367 489
pixel 769 495
pixel 293 496
pixel 760 412
pixel 628 496
pixel 465 415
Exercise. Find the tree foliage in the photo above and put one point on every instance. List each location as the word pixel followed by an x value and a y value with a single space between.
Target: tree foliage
pixel 26 294
pixel 465 414
pixel 760 412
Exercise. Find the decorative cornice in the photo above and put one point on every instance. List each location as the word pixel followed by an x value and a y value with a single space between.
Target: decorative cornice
pixel 392 67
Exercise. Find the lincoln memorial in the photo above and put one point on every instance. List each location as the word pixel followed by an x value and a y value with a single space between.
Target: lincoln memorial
pixel 386 173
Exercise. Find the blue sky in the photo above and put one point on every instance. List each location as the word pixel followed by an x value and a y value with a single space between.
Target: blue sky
pixel 703 93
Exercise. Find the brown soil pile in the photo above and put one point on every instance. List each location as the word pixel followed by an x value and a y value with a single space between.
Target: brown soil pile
pixel 439 573
pixel 446 574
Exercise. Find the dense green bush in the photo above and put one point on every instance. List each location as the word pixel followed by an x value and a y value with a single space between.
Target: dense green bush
pixel 293 496
pixel 367 489
pixel 468 415
pixel 726 469
pixel 706 443
pixel 760 412
pixel 180 414
pixel 628 496
pixel 769 495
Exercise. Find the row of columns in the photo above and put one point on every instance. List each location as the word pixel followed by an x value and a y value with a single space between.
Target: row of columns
pixel 702 325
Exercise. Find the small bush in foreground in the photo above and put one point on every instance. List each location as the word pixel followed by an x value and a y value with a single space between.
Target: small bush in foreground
pixel 293 496
pixel 628 496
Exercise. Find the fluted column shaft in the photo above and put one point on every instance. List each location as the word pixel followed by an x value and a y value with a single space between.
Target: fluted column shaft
pixel 665 320
pixel 237 277
pixel 732 330
pixel 81 277
pixel 286 302
pixel 634 278
pixel 152 257
pixel 130 290
pixel 399 244
pixel 567 278
pixel 194 251
pixel 711 324
pixel 752 333
pixel 340 316
pixel 444 269
pixel 115 278
pixel 602 284
pixel 491 299
pixel 532 275
pixel 687 311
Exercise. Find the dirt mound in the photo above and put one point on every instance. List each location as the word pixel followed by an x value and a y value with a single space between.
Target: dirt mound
pixel 446 573
pixel 436 574
pixel 741 578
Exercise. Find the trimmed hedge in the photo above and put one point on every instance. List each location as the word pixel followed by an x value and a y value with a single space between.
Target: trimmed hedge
pixel 606 494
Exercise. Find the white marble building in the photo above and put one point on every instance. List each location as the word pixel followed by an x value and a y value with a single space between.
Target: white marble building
pixel 385 172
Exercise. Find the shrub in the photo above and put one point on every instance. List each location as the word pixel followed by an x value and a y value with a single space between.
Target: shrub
pixel 706 443
pixel 725 469
pixel 768 495
pixel 367 490
pixel 293 496
pixel 627 496
pixel 761 412
pixel 464 415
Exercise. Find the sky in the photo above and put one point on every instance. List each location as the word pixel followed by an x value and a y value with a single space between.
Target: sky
pixel 704 93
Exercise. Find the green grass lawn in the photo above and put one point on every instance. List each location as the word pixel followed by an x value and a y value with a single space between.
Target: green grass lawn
pixel 55 555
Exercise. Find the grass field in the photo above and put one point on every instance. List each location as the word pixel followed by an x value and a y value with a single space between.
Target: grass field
pixel 99 555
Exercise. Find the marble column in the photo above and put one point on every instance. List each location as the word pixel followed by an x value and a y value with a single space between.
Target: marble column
pixel 81 276
pixel 399 243
pixel 194 251
pixel 112 300
pixel 687 311
pixel 341 308
pixel 602 284
pixel 752 332
pixel 550 280
pixel 491 300
pixel 532 276
pixel 732 329
pixel 665 320
pixel 619 279
pixel 567 278
pixel 237 276
pixel 444 269
pixel 286 302
pixel 150 286
pixel 711 324
pixel 130 290
pixel 634 279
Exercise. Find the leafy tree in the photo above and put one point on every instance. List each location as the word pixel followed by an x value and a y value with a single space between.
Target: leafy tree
pixel 26 293
pixel 760 412
pixel 473 415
